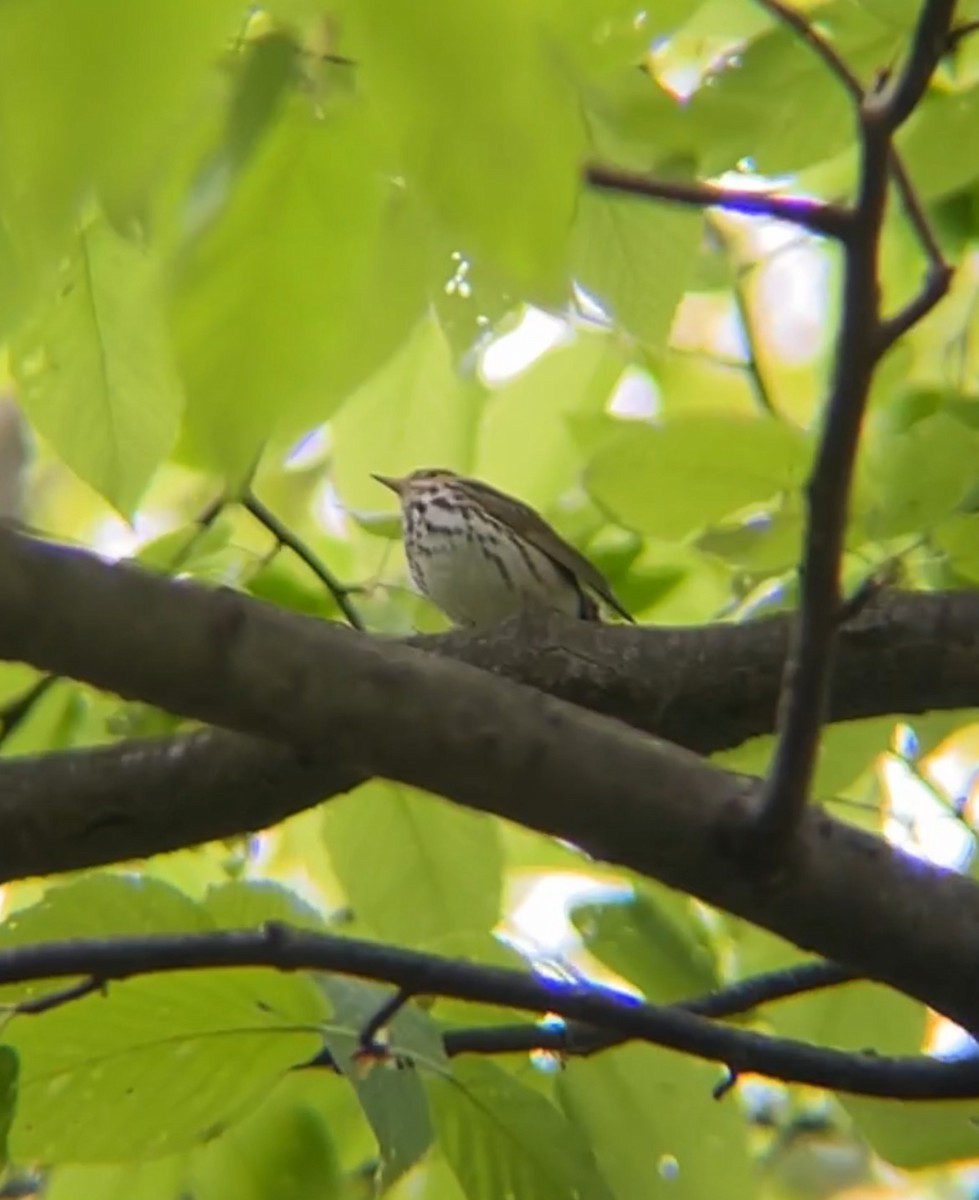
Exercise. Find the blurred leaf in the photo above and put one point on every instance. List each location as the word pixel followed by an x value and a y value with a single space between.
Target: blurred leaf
pixel 415 868
pixel 434 72
pixel 265 304
pixel 672 480
pixel 9 1071
pixel 909 479
pixel 247 904
pixel 282 1149
pixel 637 259
pixel 861 1017
pixel 527 442
pixel 947 119
pixel 414 412
pixel 812 118
pixel 90 94
pixel 653 940
pixel 503 1139
pixel 938 1133
pixel 650 1118
pixel 95 370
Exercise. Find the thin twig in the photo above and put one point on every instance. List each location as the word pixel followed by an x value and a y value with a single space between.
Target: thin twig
pixel 861 340
pixel 14 714
pixel 827 220
pixel 384 1016
pixel 579 1040
pixel 959 34
pixel 285 537
pixel 804 30
pixel 751 363
pixel 51 1000
pixel 284 948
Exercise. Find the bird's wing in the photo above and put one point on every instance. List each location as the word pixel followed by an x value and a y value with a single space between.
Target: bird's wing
pixel 541 535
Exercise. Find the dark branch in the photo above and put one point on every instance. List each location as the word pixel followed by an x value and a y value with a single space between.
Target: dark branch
pixel 827 220
pixel 897 100
pixel 577 1040
pixel 287 949
pixel 348 706
pixel 861 339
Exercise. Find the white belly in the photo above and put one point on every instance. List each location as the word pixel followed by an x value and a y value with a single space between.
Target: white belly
pixel 482 582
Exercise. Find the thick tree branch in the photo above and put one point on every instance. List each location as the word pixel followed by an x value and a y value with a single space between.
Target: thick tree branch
pixel 356 706
pixel 703 688
pixel 288 949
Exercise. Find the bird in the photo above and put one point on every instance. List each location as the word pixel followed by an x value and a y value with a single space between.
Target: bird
pixel 482 556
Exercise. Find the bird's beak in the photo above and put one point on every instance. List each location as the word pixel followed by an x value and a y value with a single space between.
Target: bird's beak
pixel 389 481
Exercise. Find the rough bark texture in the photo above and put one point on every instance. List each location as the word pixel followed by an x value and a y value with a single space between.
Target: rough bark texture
pixel 321 707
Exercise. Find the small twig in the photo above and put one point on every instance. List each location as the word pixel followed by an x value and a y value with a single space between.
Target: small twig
pixel 959 34
pixel 579 1040
pixel 827 220
pixel 749 333
pixel 13 715
pixel 285 537
pixel 801 26
pixel 384 1016
pixel 51 1000
pixel 939 272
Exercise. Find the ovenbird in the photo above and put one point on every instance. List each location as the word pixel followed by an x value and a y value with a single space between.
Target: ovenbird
pixel 482 556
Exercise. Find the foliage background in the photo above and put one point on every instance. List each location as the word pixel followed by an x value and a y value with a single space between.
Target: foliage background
pixel 325 236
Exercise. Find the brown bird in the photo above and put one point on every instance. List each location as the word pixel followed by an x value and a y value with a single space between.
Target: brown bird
pixel 482 556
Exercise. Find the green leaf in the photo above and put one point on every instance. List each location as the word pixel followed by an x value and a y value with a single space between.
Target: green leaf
pixel 282 1149
pixel 90 95
pixel 501 1138
pixel 416 869
pixel 503 185
pixel 95 369
pixel 265 306
pixel 542 406
pixel 813 117
pixel 391 1094
pixel 656 1130
pixel 637 259
pixel 857 1017
pixel 414 412
pixel 929 1135
pixel 672 480
pixel 245 904
pixel 9 1071
pixel 160 1061
pixel 161 1179
pixel 942 119
pixel 911 478
pixel 157 1064
pixel 654 940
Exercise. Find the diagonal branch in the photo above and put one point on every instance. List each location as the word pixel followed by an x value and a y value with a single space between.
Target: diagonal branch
pixel 287 949
pixel 285 537
pixel 350 706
